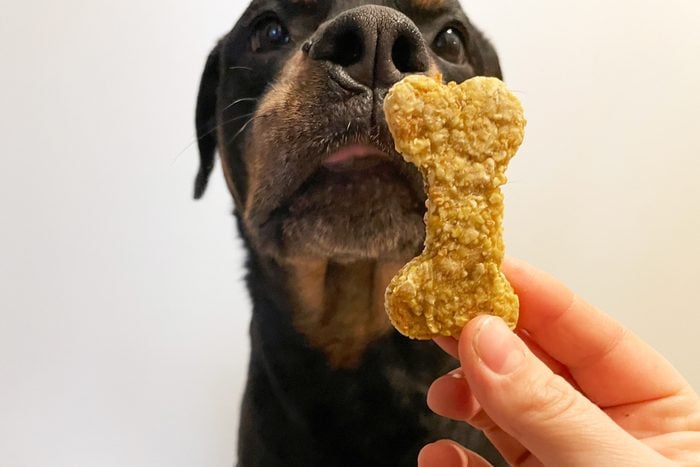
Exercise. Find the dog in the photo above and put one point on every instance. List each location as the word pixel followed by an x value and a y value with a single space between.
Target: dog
pixel 291 100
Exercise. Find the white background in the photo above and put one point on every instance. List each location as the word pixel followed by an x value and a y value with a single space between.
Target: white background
pixel 123 315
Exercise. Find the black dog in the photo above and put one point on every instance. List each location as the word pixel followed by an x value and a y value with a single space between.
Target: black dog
pixel 292 100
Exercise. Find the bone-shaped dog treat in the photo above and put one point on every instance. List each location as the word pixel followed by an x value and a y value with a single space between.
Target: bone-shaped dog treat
pixel 461 137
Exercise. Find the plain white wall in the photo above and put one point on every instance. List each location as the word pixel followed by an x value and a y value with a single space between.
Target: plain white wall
pixel 123 335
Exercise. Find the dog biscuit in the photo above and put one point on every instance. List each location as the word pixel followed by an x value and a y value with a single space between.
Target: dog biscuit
pixel 461 137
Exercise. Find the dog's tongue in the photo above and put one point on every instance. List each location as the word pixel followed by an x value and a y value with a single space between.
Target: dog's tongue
pixel 353 157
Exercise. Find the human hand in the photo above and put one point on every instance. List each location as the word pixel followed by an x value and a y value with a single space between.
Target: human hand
pixel 571 387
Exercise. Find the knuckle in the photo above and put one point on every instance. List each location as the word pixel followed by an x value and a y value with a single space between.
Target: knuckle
pixel 547 400
pixel 526 459
pixel 482 421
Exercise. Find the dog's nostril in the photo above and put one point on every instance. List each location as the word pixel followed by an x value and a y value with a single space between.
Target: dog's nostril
pixel 374 45
pixel 404 56
pixel 347 49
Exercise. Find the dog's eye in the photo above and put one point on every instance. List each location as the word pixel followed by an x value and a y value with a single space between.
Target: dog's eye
pixel 449 44
pixel 269 33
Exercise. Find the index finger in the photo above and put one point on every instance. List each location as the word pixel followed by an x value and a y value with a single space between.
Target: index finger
pixel 611 365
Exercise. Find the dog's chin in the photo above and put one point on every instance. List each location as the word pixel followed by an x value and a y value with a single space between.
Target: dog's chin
pixel 368 211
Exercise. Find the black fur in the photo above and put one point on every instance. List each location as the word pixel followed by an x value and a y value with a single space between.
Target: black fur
pixel 297 411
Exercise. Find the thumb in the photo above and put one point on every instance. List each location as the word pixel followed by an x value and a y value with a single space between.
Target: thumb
pixel 538 408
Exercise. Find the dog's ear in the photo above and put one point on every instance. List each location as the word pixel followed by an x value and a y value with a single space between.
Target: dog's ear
pixel 205 120
pixel 484 53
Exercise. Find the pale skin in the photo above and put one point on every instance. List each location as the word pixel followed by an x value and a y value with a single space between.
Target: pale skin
pixel 571 387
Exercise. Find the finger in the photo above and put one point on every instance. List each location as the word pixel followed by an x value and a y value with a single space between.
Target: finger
pixel 450 396
pixel 446 453
pixel 596 349
pixel 556 366
pixel 539 409
pixel 448 344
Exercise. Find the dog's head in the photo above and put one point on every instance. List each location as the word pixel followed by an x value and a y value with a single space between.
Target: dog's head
pixel 292 99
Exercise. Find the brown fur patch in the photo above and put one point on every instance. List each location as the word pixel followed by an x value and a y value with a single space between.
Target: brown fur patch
pixel 340 307
pixel 433 70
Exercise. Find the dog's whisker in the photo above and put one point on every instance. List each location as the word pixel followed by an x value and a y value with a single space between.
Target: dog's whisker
pixel 238 101
pixel 177 156
pixel 219 125
pixel 247 68
pixel 216 127
pixel 204 135
pixel 242 129
pixel 239 117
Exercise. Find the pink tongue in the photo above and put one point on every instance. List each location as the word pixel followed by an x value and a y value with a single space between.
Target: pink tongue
pixel 348 153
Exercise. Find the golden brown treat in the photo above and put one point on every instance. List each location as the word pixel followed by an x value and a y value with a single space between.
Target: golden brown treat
pixel 461 137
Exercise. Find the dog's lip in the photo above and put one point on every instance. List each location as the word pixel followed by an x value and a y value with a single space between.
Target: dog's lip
pixel 354 156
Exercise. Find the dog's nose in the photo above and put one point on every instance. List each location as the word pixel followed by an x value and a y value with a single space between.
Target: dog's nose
pixel 377 46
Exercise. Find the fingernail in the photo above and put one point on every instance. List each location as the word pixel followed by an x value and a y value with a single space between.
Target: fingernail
pixel 457 457
pixel 457 374
pixel 444 454
pixel 498 347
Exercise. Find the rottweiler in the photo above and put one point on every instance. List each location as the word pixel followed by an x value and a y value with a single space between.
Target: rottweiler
pixel 291 100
